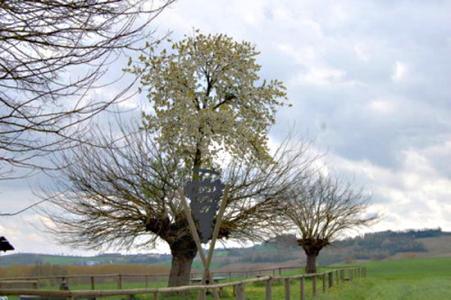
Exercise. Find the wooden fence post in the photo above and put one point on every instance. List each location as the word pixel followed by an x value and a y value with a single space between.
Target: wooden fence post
pixel 155 295
pixel 286 283
pixel 302 288
pixel 202 294
pixel 119 281
pixel 337 279
pixel 240 292
pixel 93 284
pixel 331 279
pixel 280 271
pixel 268 290
pixel 314 285
pixel 324 282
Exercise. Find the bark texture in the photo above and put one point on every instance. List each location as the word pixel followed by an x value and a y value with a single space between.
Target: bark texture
pixel 312 247
pixel 310 266
pixel 183 252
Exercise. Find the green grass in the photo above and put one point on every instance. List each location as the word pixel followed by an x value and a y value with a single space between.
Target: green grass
pixel 405 279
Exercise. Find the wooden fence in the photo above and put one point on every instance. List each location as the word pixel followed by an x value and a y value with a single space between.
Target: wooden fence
pixel 121 280
pixel 327 279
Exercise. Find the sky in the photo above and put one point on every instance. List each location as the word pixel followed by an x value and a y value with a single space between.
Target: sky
pixel 369 82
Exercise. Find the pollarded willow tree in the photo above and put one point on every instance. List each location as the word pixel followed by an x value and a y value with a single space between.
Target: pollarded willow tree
pixel 125 195
pixel 321 208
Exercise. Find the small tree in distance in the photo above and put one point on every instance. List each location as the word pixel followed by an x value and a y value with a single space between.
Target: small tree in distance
pixel 321 208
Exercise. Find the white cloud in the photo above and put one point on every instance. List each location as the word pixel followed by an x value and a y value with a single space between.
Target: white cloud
pixel 324 76
pixel 400 71
pixel 362 51
pixel 382 106
pixel 403 197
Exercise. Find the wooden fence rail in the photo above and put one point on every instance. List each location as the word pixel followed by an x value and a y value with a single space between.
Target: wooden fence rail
pixel 120 280
pixel 326 278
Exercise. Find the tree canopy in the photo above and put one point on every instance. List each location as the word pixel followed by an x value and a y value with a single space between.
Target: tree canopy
pixel 321 207
pixel 208 97
pixel 125 195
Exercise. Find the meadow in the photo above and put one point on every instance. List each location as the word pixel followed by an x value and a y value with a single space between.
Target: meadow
pixel 409 279
pixel 403 279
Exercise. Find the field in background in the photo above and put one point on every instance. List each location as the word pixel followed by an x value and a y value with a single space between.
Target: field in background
pixel 404 279
pixel 57 270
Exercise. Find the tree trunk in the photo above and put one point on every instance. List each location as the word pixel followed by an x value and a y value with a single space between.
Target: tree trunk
pixel 310 266
pixel 312 247
pixel 183 252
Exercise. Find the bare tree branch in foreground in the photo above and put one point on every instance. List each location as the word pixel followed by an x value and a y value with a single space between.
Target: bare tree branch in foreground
pixel 18 212
pixel 321 208
pixel 123 195
pixel 52 54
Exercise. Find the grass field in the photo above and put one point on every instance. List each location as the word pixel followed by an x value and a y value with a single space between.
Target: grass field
pixel 404 279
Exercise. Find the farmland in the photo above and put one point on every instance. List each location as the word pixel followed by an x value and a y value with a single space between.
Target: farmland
pixel 416 278
pixel 413 278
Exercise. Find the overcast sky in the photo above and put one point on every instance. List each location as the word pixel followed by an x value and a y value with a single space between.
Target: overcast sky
pixel 369 82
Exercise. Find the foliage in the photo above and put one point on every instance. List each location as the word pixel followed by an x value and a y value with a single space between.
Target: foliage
pixel 207 97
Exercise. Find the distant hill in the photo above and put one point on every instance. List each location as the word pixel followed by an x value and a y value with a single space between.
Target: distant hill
pixel 282 250
pixel 370 246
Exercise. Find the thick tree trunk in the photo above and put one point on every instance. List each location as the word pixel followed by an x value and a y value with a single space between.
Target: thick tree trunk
pixel 310 266
pixel 183 252
pixel 312 247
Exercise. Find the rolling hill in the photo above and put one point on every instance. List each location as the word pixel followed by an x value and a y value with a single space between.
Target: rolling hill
pixel 280 251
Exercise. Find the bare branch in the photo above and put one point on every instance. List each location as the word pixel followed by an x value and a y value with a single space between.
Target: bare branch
pixel 321 208
pixel 52 54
